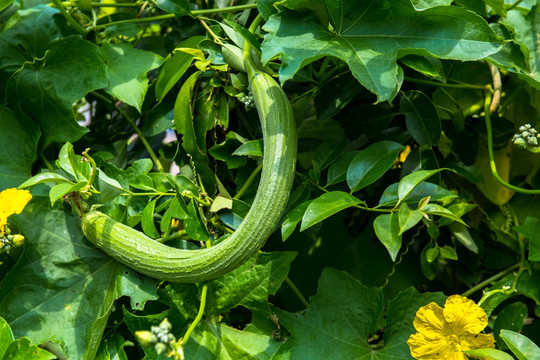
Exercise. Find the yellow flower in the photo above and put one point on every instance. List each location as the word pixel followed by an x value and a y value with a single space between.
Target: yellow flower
pixel 12 201
pixel 443 334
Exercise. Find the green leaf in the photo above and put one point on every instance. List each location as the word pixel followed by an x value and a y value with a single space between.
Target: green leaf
pixel 369 36
pixel 22 349
pixel 438 210
pixel 251 148
pixel 251 284
pixel 520 345
pixel 194 225
pixel 408 218
pixel 19 138
pixel 68 287
pixel 491 354
pixel 292 219
pixel 428 66
pixel 343 316
pixel 461 233
pixel 448 252
pixel 183 116
pixel 435 192
pixel 46 91
pixel 147 220
pixel 387 230
pixel 327 152
pixel 30 37
pixel 113 349
pixel 6 336
pixel 426 4
pixel 371 163
pixel 178 7
pixel 127 68
pixel 67 160
pixel 510 318
pixel 59 190
pixel 531 229
pixel 429 266
pixel 326 205
pixel 174 67
pixel 225 151
pixel 45 177
pixel 337 172
pixel 525 28
pixel 422 118
pixel 5 3
pixel 411 181
pixel 221 342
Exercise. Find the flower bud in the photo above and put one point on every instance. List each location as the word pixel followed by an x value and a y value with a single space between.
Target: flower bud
pixel 160 347
pixel 17 240
pixel 165 325
pixel 146 338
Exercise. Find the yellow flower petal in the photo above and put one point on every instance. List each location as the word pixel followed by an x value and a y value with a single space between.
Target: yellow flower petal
pixel 477 341
pixel 12 201
pixel 464 316
pixel 425 347
pixel 429 318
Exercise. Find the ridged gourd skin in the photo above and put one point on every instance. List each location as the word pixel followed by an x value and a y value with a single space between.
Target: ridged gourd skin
pixel 143 254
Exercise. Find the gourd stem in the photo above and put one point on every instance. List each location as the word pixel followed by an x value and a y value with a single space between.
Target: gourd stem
pixel 248 60
pixel 492 165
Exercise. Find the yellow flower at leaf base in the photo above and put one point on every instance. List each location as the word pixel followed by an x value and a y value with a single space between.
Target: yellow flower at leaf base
pixel 12 201
pixel 443 334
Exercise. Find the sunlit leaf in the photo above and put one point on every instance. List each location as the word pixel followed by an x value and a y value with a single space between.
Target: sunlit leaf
pixel 369 36
pixel 326 205
pixel 371 163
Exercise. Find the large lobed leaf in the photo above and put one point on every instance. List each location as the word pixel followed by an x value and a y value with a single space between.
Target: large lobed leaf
pixel 62 289
pixel 344 314
pixel 18 143
pixel 370 35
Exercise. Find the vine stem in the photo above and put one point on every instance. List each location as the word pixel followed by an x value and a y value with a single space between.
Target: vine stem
pixel 195 322
pixel 493 166
pixel 297 292
pixel 68 17
pixel 444 85
pixel 145 143
pixel 489 280
pixel 248 182
pixel 98 4
pixel 142 138
pixel 46 162
pixel 172 16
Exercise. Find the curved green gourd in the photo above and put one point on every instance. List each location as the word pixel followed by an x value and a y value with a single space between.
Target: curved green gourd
pixel 157 260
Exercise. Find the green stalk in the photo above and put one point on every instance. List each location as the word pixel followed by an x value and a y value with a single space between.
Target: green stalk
pixel 157 163
pixel 489 280
pixel 97 4
pixel 68 17
pixel 47 163
pixel 248 182
pixel 297 292
pixel 493 166
pixel 172 16
pixel 199 315
pixel 438 84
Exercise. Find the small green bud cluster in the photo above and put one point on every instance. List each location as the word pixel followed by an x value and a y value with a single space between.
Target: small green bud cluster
pixel 247 100
pixel 160 337
pixel 9 241
pixel 527 138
